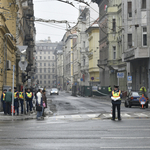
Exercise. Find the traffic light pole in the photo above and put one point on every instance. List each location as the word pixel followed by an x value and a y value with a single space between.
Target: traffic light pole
pixel 24 109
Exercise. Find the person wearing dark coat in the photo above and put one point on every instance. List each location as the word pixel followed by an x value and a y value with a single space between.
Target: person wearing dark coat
pixel 44 98
pixel 116 93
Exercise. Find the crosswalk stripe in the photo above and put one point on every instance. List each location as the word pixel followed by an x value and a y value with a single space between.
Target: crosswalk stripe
pixel 76 116
pixel 140 114
pixel 93 115
pixel 125 115
pixel 107 115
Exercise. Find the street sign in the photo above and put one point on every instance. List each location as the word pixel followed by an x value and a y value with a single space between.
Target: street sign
pixel 129 78
pixel 13 68
pixel 92 78
pixel 142 100
pixel 81 79
pixel 120 74
pixel 23 65
pixel 129 87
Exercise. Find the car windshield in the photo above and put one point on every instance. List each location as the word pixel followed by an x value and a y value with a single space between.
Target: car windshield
pixel 54 89
pixel 135 94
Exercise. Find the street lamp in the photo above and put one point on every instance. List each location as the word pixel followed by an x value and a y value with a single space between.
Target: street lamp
pixel 5 53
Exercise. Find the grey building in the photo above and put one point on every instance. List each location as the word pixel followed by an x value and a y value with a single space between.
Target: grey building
pixel 136 41
pixel 46 64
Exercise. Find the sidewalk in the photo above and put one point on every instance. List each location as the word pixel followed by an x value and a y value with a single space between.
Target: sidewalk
pixel 20 117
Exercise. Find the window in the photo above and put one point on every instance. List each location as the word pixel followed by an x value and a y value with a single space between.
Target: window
pixel 144 39
pixel 52 64
pixel 48 70
pixel 114 52
pixel 40 70
pixel 40 52
pixel 48 57
pixel 40 57
pixel 48 52
pixel 40 82
pixel 44 82
pixel 83 44
pixel 40 64
pixel 49 82
pixel 53 57
pixel 114 25
pixel 44 76
pixel 44 52
pixel 53 76
pixel 44 47
pixel 49 64
pixel 44 69
pixel 83 62
pixel 44 57
pixel 129 40
pixel 49 76
pixel 143 4
pixel 40 76
pixel 53 70
pixel 36 57
pixel 44 64
pixel 129 9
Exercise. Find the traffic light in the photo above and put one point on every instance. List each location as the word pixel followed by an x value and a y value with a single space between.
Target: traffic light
pixel 24 77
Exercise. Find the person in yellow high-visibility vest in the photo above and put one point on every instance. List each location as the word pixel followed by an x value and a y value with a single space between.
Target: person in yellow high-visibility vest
pixel 29 97
pixel 116 94
pixel 21 98
pixel 16 100
pixel 109 89
pixel 143 90
pixel 3 101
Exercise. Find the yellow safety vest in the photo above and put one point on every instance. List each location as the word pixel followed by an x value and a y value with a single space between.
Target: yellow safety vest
pixel 21 95
pixel 116 94
pixel 15 95
pixel 141 89
pixel 109 89
pixel 29 94
pixel 4 96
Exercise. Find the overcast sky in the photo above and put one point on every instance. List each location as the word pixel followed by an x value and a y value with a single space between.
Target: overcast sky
pixel 52 9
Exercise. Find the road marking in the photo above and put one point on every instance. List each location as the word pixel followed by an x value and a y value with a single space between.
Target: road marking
pixel 125 115
pixel 107 115
pixel 140 114
pixel 139 147
pixel 125 138
pixel 59 117
pixel 93 115
pixel 75 116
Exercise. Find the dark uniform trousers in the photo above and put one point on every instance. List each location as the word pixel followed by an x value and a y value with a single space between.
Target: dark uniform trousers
pixel 114 105
pixel 21 103
pixel 16 104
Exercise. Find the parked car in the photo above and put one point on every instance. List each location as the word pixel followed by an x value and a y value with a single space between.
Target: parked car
pixel 133 100
pixel 54 91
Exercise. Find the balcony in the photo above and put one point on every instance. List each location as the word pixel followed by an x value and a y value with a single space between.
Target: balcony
pixel 136 53
pixel 102 63
pixel 85 68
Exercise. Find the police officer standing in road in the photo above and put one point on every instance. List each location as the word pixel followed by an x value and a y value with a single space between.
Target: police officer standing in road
pixel 109 89
pixel 21 98
pixel 29 97
pixel 116 96
pixel 16 100
pixel 3 101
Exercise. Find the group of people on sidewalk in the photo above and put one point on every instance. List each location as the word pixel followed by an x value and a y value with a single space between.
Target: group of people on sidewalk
pixel 6 99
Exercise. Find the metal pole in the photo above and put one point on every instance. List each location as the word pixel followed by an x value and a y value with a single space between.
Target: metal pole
pixel 13 91
pixel 118 81
pixel 6 64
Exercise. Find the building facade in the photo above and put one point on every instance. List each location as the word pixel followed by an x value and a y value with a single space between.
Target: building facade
pixel 46 64
pixel 115 63
pixel 136 45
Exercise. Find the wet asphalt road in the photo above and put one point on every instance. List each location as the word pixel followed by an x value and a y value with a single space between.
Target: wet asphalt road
pixel 77 134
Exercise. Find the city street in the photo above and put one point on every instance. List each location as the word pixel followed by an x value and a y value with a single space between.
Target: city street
pixel 79 123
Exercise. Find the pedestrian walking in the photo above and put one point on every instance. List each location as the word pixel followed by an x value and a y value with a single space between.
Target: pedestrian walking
pixel 109 89
pixel 3 101
pixel 39 104
pixel 21 99
pixel 8 99
pixel 44 98
pixel 116 96
pixel 16 101
pixel 29 97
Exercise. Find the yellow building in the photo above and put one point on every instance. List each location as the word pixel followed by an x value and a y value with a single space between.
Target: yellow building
pixel 93 54
pixel 8 15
